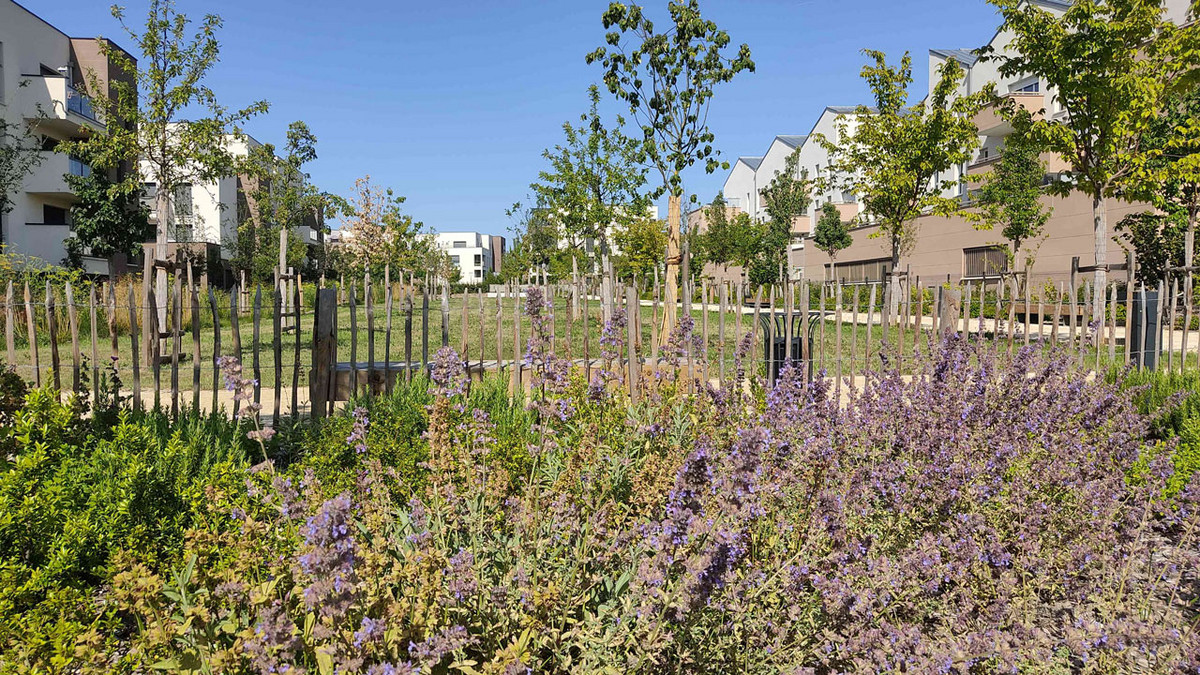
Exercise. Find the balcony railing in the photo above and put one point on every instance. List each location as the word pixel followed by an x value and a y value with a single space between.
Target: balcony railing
pixel 79 104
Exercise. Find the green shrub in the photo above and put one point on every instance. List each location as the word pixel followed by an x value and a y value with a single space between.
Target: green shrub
pixel 73 495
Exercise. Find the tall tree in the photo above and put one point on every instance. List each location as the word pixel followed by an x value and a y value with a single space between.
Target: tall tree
pixel 19 156
pixel 164 114
pixel 892 155
pixel 787 197
pixel 1010 197
pixel 831 234
pixel 594 182
pixel 667 78
pixel 1111 65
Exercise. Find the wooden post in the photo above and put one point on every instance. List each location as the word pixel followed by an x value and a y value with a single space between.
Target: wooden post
pixel 867 362
pixel 195 301
pixel 216 353
pixel 324 352
pixel 112 321
pixel 52 325
pixel 133 348
pixel 9 336
pixel 425 327
pixel 853 332
pixel 387 335
pixel 369 301
pixel 235 332
pixel 353 339
pixel 176 340
pixel 408 329
pixel 31 328
pixel 516 362
pixel 297 307
pixel 632 367
pixel 73 324
pixel 837 308
pixel 723 301
pixel 445 314
pixel 951 305
pixel 95 344
pixel 256 343
pixel 277 343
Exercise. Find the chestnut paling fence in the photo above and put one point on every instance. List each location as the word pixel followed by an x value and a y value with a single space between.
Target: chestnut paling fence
pixel 308 346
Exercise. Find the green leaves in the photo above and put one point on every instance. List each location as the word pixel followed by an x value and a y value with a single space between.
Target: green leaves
pixel 667 79
pixel 831 234
pixel 890 155
pixel 1011 194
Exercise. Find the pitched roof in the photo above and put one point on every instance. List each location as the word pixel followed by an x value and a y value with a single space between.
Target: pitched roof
pixel 751 162
pixel 792 141
pixel 847 109
pixel 967 57
pixel 1061 4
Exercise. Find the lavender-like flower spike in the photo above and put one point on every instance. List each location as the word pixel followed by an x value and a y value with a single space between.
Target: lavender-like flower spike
pixel 358 434
pixel 448 373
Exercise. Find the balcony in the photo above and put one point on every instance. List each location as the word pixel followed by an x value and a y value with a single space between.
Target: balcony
pixel 53 103
pixel 47 178
pixel 990 122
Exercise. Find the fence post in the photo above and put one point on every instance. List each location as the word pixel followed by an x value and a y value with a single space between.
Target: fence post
pixel 324 349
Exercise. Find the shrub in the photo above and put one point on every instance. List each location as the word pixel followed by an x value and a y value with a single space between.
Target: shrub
pixel 973 519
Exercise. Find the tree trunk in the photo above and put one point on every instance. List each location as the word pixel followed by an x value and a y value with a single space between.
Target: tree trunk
pixel 1100 226
pixel 671 280
pixel 162 207
pixel 1189 248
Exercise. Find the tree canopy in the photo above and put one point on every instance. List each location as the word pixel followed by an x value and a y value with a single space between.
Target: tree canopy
pixel 892 155
pixel 831 235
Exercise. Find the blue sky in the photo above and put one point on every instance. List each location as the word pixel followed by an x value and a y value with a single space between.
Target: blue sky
pixel 451 103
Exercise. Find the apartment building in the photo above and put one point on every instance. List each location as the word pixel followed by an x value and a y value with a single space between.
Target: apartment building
pixel 476 255
pixel 947 247
pixel 205 216
pixel 44 80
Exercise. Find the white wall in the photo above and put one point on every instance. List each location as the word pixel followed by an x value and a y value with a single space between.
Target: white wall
pixel 27 43
pixel 740 188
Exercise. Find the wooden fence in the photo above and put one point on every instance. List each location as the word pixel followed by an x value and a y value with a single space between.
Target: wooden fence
pixel 310 345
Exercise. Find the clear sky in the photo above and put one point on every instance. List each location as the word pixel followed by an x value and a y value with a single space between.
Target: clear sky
pixel 451 103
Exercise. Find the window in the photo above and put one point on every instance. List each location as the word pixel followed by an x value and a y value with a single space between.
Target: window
pixel 457 260
pixel 1034 87
pixel 54 215
pixel 1 72
pixel 460 244
pixel 984 261
pixel 862 271
pixel 478 274
pixel 183 200
pixel 478 259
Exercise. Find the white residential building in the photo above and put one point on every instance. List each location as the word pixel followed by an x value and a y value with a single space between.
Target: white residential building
pixel 43 76
pixel 210 212
pixel 471 252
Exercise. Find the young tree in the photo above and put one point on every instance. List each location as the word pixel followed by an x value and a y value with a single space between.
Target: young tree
pixel 726 240
pixel 105 219
pixel 535 241
pixel 165 116
pixel 831 234
pixel 1010 197
pixel 895 153
pixel 667 78
pixel 1157 240
pixel 787 197
pixel 279 196
pixel 19 156
pixel 640 243
pixel 1110 64
pixel 1169 175
pixel 594 183
pixel 381 234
